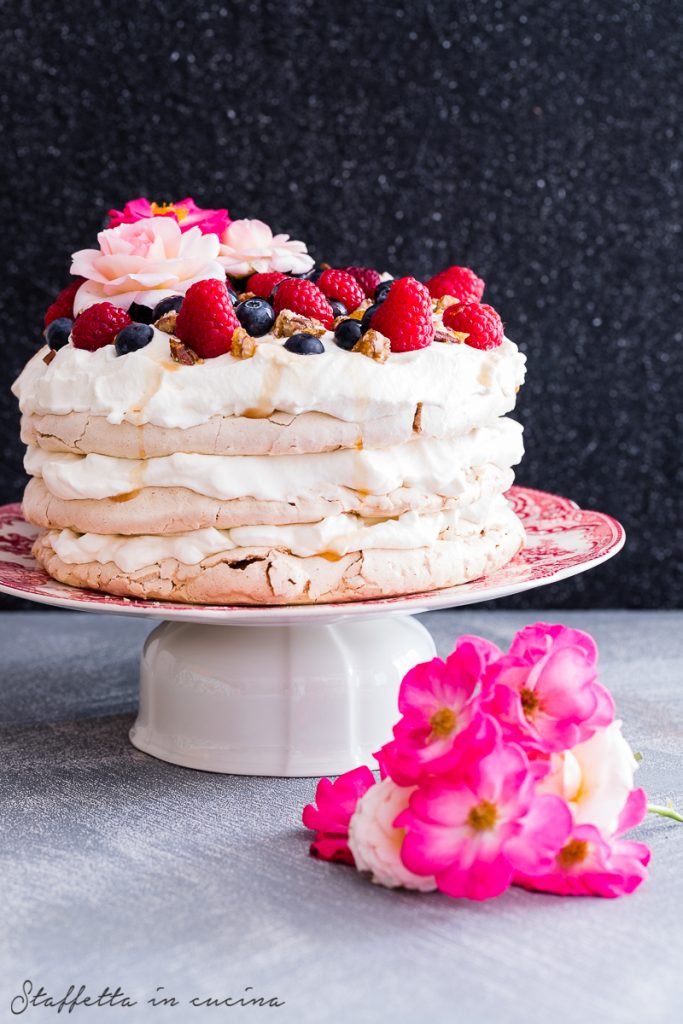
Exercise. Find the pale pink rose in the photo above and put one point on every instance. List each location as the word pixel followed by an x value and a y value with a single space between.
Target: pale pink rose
pixel 473 830
pixel 185 212
pixel 375 842
pixel 144 262
pixel 595 778
pixel 249 246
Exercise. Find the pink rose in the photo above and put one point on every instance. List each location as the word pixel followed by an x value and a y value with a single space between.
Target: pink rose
pixel 249 246
pixel 545 692
pixel 144 262
pixel 375 842
pixel 336 802
pixel 185 212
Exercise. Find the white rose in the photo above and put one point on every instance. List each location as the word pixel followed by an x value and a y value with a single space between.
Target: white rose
pixel 595 778
pixel 376 844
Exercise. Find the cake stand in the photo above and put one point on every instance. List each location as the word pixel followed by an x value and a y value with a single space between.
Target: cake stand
pixel 306 689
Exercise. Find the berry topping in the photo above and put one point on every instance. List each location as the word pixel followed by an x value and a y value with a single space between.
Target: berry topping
pixel 405 316
pixel 305 298
pixel 171 303
pixel 367 317
pixel 337 284
pixel 368 279
pixel 257 316
pixel 232 294
pixel 98 326
pixel 347 333
pixel 263 284
pixel 206 321
pixel 304 345
pixel 63 306
pixel 57 332
pixel 382 290
pixel 338 308
pixel 140 314
pixel 480 322
pixel 132 338
pixel 460 282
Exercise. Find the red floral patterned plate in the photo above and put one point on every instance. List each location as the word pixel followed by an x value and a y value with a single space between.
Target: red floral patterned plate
pixel 562 540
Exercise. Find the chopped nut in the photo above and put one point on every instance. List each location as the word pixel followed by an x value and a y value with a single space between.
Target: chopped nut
pixel 289 323
pixel 438 305
pixel 358 313
pixel 166 322
pixel 243 345
pixel 247 295
pixel 449 337
pixel 49 356
pixel 374 345
pixel 417 418
pixel 182 353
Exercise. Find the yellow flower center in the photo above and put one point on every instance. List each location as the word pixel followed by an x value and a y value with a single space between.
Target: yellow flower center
pixel 483 816
pixel 530 702
pixel 573 853
pixel 443 723
pixel 163 209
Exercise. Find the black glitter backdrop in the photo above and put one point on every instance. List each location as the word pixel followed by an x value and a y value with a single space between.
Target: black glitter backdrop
pixel 538 143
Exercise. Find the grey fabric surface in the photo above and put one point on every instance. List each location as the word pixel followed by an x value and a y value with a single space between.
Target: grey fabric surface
pixel 121 870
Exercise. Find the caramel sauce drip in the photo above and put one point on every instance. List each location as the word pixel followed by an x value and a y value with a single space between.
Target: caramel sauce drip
pixel 128 496
pixel 330 556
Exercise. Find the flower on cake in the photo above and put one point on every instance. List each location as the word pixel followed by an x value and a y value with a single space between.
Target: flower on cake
pixel 249 246
pixel 185 212
pixel 144 262
pixel 504 769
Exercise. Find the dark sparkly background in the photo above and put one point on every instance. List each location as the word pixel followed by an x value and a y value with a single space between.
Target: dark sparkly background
pixel 538 143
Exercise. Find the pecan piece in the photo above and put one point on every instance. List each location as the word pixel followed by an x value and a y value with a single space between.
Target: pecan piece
pixel 166 322
pixel 182 353
pixel 49 356
pixel 449 337
pixel 374 345
pixel 289 323
pixel 243 345
pixel 438 305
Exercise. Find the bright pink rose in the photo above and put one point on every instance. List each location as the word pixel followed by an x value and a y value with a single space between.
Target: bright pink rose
pixel 185 212
pixel 474 831
pixel 144 262
pixel 441 722
pixel 545 692
pixel 590 865
pixel 336 802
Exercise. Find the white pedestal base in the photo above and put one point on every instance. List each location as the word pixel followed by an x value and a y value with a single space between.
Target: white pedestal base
pixel 274 700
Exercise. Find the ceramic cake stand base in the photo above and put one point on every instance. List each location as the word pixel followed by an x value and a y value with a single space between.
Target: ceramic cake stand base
pixel 303 690
pixel 274 700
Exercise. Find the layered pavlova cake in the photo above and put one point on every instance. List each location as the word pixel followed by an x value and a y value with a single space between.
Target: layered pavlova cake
pixel 214 418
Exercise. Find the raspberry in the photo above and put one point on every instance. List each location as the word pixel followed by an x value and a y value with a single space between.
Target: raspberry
pixel 303 297
pixel 263 284
pixel 64 303
pixel 98 325
pixel 460 282
pixel 207 321
pixel 337 284
pixel 367 278
pixel 405 316
pixel 481 324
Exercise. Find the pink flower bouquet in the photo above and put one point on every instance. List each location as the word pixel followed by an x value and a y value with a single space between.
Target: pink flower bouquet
pixel 504 769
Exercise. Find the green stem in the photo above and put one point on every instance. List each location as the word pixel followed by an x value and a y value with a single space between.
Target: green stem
pixel 664 812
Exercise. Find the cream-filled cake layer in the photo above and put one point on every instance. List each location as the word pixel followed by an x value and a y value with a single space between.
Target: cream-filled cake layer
pixel 433 465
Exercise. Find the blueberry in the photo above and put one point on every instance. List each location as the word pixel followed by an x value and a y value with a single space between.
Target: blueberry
pixel 234 297
pixel 257 316
pixel 367 317
pixel 236 285
pixel 313 274
pixel 132 338
pixel 338 308
pixel 173 302
pixel 382 290
pixel 141 314
pixel 57 333
pixel 347 333
pixel 304 345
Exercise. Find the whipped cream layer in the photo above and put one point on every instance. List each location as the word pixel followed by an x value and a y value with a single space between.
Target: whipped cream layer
pixel 148 387
pixel 334 536
pixel 433 465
